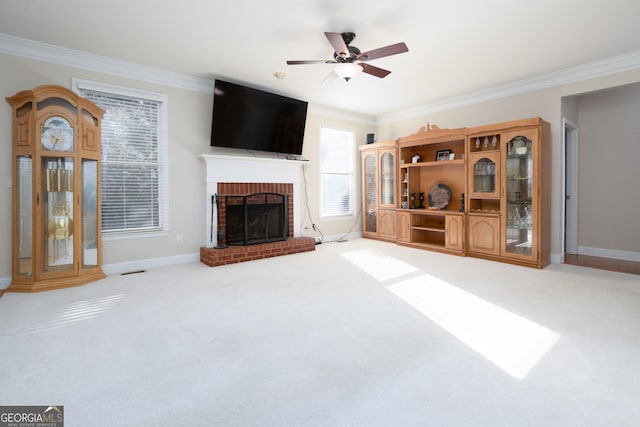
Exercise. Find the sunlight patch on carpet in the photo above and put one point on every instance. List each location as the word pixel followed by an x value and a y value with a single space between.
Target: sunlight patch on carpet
pixel 509 341
pixel 77 312
pixel 378 265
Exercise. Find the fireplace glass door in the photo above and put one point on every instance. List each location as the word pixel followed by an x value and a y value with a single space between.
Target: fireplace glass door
pixel 256 218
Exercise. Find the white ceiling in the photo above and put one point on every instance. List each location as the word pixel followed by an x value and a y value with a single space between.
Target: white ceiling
pixel 455 46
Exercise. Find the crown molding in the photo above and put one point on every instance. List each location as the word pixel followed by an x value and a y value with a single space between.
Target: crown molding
pixel 321 110
pixel 617 64
pixel 87 61
pixel 30 49
pixel 17 46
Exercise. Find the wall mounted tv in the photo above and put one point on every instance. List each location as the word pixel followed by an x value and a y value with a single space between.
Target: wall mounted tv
pixel 252 119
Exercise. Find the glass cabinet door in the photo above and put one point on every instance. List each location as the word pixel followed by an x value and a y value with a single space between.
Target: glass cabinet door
pixel 370 165
pixel 519 195
pixel 57 214
pixel 387 179
pixel 484 175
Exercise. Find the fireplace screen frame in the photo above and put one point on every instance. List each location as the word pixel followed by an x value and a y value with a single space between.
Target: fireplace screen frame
pixel 255 224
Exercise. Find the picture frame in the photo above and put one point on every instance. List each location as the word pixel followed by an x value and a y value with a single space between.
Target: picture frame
pixel 442 155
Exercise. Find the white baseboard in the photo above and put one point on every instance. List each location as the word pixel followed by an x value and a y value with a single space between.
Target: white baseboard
pixel 336 237
pixel 125 267
pixel 556 258
pixel 144 264
pixel 609 253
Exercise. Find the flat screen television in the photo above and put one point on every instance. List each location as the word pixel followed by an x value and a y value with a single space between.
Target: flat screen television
pixel 252 119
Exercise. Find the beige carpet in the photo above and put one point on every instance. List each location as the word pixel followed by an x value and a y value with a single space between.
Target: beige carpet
pixel 360 333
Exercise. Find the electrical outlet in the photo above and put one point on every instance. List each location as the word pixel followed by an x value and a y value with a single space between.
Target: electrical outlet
pixel 178 238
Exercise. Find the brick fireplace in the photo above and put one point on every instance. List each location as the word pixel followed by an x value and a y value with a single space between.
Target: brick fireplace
pixel 241 176
pixel 246 188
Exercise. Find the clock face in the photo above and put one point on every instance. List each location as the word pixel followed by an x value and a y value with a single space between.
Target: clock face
pixel 57 134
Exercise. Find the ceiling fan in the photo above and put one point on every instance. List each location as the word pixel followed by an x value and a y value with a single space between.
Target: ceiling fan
pixel 349 58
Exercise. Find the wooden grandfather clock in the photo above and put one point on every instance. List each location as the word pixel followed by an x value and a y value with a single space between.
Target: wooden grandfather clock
pixel 56 190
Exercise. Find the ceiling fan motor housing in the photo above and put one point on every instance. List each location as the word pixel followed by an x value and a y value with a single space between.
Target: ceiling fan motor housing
pixel 353 54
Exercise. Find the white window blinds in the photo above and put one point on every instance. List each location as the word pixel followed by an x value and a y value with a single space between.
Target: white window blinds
pixel 132 168
pixel 336 171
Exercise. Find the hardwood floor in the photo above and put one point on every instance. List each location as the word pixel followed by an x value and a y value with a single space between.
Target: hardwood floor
pixel 610 264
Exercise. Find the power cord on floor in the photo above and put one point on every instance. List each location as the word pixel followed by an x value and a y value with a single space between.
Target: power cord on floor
pixel 306 203
pixel 342 239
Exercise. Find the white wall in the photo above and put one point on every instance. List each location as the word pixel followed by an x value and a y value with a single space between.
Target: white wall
pixel 609 190
pixel 189 137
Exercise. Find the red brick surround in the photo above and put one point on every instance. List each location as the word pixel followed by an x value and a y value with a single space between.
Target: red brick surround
pixel 233 254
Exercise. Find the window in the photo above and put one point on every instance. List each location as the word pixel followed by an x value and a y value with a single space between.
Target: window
pixel 337 149
pixel 134 169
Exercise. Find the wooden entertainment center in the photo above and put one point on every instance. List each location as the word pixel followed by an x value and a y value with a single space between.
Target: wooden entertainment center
pixel 481 191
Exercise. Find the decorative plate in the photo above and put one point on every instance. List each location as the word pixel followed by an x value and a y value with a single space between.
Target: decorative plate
pixel 439 196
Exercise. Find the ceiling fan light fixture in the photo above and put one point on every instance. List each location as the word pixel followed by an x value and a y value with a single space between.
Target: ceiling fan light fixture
pixel 348 70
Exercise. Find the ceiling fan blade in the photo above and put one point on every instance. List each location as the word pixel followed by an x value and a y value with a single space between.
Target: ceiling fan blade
pixel 338 44
pixel 330 77
pixel 393 49
pixel 311 61
pixel 374 71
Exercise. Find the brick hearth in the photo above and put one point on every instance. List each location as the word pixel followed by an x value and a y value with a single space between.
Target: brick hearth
pixel 230 255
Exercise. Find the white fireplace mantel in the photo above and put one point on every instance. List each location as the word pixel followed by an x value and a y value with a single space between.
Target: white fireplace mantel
pixel 225 168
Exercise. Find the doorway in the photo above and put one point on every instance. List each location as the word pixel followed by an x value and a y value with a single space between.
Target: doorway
pixel 600 129
pixel 570 143
pixel 570 224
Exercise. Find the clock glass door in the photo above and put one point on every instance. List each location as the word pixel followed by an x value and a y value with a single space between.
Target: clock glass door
pixel 57 214
pixel 89 213
pixel 24 209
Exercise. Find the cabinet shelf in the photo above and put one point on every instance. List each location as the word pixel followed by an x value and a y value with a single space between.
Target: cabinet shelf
pixel 433 163
pixel 431 246
pixel 441 212
pixel 485 212
pixel 437 230
pixel 484 150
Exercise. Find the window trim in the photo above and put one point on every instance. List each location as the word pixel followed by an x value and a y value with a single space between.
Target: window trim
pixel 77 85
pixel 354 171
